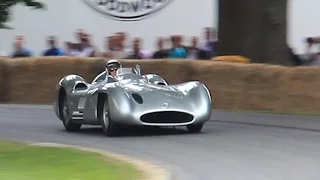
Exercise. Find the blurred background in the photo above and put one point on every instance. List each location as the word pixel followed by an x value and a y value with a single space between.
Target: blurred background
pixel 263 31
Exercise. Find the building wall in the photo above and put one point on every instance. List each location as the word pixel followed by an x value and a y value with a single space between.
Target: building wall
pixel 63 17
pixel 186 17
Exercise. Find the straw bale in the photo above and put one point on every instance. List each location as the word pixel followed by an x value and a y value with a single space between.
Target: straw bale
pixel 238 86
pixel 3 89
pixel 34 79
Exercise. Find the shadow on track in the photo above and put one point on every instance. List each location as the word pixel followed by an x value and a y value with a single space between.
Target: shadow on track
pixel 135 131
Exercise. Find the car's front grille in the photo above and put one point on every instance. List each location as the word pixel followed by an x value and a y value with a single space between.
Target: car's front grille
pixel 167 117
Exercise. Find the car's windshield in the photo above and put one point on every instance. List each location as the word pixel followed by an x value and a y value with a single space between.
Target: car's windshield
pixel 123 74
pixel 125 71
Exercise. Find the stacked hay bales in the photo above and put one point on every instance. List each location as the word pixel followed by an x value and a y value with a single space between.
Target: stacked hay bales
pixel 239 86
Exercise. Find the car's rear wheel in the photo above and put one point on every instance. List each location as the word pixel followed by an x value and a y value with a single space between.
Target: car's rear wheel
pixel 195 128
pixel 109 127
pixel 66 118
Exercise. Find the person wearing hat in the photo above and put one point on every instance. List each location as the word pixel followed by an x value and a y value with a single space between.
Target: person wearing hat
pixel 112 66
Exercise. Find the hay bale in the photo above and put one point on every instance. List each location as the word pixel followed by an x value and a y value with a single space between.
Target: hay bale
pixel 34 80
pixel 233 85
pixel 245 86
pixel 3 90
pixel 301 90
pixel 223 79
pixel 263 87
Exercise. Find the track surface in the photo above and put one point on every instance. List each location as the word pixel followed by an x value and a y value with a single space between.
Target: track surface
pixel 233 146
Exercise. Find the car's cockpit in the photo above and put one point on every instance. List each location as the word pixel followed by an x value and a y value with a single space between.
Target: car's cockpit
pixel 122 74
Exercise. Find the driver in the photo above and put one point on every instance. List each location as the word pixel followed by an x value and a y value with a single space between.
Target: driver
pixel 112 66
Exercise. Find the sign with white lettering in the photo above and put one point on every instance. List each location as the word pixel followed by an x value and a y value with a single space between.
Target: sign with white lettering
pixel 127 10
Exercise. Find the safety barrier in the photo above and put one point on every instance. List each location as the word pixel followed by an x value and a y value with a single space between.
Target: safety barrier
pixel 238 86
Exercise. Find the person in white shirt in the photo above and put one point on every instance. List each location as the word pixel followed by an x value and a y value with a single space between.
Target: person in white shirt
pixel 118 49
pixel 87 49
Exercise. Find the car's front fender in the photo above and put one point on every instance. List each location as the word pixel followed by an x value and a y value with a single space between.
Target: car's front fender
pixel 199 98
pixel 64 87
pixel 120 103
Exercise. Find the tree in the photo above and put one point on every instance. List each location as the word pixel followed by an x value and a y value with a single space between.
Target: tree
pixel 255 29
pixel 5 6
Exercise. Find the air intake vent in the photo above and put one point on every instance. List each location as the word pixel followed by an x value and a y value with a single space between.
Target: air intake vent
pixel 137 98
pixel 161 83
pixel 80 86
pixel 167 117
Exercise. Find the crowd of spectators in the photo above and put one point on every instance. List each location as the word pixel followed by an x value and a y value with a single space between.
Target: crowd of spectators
pixel 118 46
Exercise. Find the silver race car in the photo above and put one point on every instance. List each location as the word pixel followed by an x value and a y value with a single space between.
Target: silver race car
pixel 129 98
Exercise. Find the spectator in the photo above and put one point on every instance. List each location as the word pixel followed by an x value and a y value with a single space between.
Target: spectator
pixel 118 49
pixel 310 58
pixel 136 54
pixel 82 36
pixel 177 51
pixel 71 49
pixel 53 49
pixel 193 50
pixel 161 53
pixel 122 38
pixel 109 46
pixel 20 50
pixel 146 54
pixel 207 46
pixel 88 50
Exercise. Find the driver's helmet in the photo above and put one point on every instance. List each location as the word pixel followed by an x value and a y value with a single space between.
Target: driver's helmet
pixel 113 65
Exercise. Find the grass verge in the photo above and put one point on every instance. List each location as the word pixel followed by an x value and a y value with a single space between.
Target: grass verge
pixel 22 161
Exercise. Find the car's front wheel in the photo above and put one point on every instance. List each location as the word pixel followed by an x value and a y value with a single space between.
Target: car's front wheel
pixel 109 127
pixel 66 118
pixel 195 128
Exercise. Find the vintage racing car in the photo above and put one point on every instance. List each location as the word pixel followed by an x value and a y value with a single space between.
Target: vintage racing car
pixel 130 98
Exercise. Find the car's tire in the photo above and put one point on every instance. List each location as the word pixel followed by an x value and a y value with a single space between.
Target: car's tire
pixel 195 128
pixel 66 118
pixel 109 127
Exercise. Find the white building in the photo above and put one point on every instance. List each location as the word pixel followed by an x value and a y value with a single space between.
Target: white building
pixel 164 17
pixel 63 17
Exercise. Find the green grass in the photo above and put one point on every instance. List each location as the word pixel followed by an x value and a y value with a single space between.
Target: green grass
pixel 23 162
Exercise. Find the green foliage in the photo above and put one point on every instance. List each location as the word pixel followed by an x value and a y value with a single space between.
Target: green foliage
pixel 5 6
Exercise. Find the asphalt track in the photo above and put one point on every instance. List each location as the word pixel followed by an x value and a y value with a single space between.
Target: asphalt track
pixel 233 145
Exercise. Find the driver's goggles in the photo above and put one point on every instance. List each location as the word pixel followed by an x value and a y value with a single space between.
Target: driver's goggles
pixel 113 69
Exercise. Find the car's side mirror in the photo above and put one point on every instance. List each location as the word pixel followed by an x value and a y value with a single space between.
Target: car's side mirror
pixel 138 69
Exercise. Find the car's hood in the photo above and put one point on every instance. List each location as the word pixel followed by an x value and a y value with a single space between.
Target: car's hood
pixel 145 88
pixel 155 93
pixel 157 97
